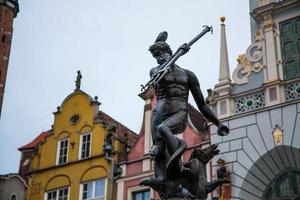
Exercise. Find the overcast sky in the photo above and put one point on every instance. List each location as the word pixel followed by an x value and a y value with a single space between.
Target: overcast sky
pixel 108 41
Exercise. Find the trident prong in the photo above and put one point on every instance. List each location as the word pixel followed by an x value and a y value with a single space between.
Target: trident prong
pixel 210 28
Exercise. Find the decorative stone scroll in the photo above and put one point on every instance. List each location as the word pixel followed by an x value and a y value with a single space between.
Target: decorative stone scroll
pixel 248 63
pixel 248 103
pixel 292 91
pixel 254 53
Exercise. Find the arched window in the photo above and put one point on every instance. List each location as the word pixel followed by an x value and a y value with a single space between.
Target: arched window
pixel 284 187
pixel 3 39
pixel 13 197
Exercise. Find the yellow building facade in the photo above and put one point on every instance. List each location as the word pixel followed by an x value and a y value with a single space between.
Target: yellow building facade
pixel 69 162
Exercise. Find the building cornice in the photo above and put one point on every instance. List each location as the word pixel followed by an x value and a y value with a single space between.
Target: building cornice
pixel 273 7
pixel 148 93
pixel 142 175
pixel 260 110
pixel 14 175
pixel 66 164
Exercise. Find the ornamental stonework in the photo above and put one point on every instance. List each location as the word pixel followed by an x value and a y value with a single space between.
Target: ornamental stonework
pixel 268 23
pixel 292 91
pixel 249 103
pixel 248 63
pixel 36 190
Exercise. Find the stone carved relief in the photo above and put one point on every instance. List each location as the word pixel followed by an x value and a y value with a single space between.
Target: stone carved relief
pixel 254 52
pixel 268 23
pixel 259 36
pixel 36 190
pixel 248 63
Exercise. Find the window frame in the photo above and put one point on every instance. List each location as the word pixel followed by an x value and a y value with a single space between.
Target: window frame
pixel 140 191
pixel 287 74
pixel 132 190
pixel 275 184
pixel 57 191
pixel 13 195
pixel 80 146
pixel 93 189
pixel 58 151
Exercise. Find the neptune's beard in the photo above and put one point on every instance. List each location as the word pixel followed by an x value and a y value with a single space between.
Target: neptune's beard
pixel 163 58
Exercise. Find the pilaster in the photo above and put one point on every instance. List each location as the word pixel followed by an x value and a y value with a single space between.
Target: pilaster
pixel 147 96
pixel 270 41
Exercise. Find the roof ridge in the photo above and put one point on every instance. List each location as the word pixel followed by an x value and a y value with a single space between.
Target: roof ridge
pixel 118 122
pixel 35 141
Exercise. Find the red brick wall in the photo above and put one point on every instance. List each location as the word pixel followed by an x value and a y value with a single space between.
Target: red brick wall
pixel 134 183
pixel 134 168
pixel 129 184
pixel 6 29
pixel 137 150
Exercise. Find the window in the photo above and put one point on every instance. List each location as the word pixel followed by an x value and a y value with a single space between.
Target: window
pixel 13 197
pixel 273 94
pixel 74 119
pixel 62 151
pixel 85 146
pixel 26 162
pixel 286 186
pixel 223 107
pixel 3 40
pixel 141 195
pixel 59 194
pixel 94 190
pixel 290 47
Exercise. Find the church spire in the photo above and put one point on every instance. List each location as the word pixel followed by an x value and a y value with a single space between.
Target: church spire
pixel 223 88
pixel 224 72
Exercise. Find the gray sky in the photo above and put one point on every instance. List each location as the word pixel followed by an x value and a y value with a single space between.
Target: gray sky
pixel 108 41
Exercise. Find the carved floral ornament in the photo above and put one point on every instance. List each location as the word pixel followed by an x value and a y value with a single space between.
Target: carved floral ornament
pixel 248 63
pixel 36 190
pixel 268 23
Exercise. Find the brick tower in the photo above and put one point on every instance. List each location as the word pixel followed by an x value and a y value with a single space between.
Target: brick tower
pixel 8 11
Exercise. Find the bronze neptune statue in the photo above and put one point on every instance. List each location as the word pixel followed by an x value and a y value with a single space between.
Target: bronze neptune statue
pixel 172 84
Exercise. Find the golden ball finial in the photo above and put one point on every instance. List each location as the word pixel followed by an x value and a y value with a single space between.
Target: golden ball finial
pixel 222 18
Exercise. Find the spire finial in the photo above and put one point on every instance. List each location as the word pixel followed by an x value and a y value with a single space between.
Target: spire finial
pixel 222 19
pixel 78 80
pixel 224 73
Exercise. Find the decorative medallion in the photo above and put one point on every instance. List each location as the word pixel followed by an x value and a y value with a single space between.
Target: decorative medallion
pixel 75 119
pixel 249 102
